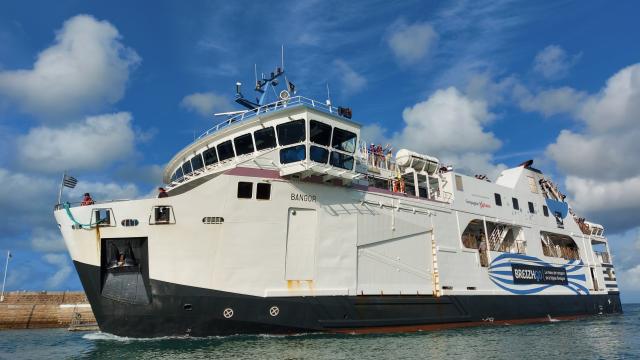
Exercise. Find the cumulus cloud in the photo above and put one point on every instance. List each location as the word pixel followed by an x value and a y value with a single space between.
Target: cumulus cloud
pixel 553 62
pixel 411 43
pixel 351 81
pixel 61 262
pixel 563 100
pixel 47 240
pixel 206 103
pixel 86 67
pixel 600 159
pixel 450 126
pixel 90 144
pixel 101 191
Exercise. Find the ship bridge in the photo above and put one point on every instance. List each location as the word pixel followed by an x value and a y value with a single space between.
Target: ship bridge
pixel 296 136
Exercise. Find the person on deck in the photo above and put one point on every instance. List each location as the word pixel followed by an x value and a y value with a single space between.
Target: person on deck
pixel 162 193
pixel 87 200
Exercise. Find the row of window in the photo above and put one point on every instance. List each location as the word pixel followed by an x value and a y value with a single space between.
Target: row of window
pixel 516 205
pixel 245 190
pixel 289 133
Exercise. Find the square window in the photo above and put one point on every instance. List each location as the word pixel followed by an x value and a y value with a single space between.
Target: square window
pixel 245 190
pixel 516 206
pixel 498 199
pixel 263 191
pixel 545 210
pixel 531 208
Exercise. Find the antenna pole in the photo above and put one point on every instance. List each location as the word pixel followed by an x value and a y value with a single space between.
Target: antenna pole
pixel 282 56
pixel 255 72
pixel 328 97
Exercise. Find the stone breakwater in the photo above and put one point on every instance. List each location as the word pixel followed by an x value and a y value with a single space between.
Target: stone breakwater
pixel 32 310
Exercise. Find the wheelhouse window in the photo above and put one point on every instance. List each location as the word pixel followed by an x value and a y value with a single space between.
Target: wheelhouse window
pixel 225 150
pixel 178 174
pixel 344 140
pixel 291 133
pixel 532 210
pixel 319 133
pixel 498 199
pixel 244 144
pixel 245 190
pixel 196 162
pixel 293 154
pixel 265 138
pixel 341 160
pixel 516 206
pixel 263 191
pixel 186 167
pixel 210 156
pixel 318 154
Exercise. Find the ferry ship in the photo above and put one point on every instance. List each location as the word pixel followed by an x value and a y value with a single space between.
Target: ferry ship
pixel 281 220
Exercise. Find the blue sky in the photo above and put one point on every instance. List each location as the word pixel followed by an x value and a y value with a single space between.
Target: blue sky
pixel 111 90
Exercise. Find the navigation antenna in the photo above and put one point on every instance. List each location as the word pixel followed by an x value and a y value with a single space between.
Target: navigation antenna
pixel 328 96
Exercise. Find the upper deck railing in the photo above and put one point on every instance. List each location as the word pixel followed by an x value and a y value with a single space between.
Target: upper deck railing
pixel 272 107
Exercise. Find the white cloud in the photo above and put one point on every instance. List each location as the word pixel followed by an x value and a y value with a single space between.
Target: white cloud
pixel 552 62
pixel 61 261
pixel 102 191
pixel 450 126
pixel 448 123
pixel 352 82
pixel 86 68
pixel 563 100
pixel 90 144
pixel 47 240
pixel 617 106
pixel 411 43
pixel 600 159
pixel 206 103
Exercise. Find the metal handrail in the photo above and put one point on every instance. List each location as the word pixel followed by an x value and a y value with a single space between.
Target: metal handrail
pixel 277 105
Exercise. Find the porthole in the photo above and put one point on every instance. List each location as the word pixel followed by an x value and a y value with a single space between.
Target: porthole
pixel 129 222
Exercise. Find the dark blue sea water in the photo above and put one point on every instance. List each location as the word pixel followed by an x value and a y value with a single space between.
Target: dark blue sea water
pixel 600 337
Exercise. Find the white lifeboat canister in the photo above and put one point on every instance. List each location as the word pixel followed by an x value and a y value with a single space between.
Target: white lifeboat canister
pixel 406 158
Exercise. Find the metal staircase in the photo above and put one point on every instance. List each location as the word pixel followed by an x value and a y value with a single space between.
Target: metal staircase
pixel 497 236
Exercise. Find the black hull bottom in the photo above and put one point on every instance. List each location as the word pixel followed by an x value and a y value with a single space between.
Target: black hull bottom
pixel 177 310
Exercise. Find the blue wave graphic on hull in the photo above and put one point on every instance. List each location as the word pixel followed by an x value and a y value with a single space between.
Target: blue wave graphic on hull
pixel 503 278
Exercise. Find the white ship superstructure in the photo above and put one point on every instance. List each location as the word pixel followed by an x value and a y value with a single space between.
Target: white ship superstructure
pixel 282 219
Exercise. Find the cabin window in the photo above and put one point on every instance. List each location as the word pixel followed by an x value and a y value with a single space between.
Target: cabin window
pixel 161 215
pixel 341 160
pixel 210 156
pixel 196 162
pixel 243 144
pixel 225 150
pixel 319 133
pixel 179 174
pixel 186 168
pixel 265 138
pixel 560 246
pixel 459 186
pixel 409 184
pixel 245 190
pixel 318 154
pixel 545 210
pixel 516 206
pixel 291 133
pixel 263 191
pixel 422 186
pixel 293 154
pixel 532 210
pixel 344 140
pixel 102 217
pixel 498 199
pixel 212 220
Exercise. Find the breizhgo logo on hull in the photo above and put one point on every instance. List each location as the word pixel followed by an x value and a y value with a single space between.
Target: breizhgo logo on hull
pixel 530 275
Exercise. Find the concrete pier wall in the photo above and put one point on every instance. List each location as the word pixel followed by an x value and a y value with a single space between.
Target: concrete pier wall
pixel 31 310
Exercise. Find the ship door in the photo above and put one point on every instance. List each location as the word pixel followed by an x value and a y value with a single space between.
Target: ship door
pixel 301 241
pixel 594 278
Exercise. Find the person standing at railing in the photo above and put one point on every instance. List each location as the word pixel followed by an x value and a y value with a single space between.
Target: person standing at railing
pixel 87 200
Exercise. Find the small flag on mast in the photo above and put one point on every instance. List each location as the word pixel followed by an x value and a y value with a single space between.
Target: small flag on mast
pixel 69 181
